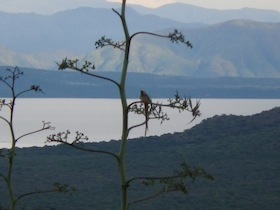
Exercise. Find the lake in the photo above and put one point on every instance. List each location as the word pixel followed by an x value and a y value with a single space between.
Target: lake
pixel 100 119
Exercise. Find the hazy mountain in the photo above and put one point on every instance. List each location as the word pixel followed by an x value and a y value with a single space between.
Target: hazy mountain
pixel 42 60
pixel 176 11
pixel 233 48
pixel 237 48
pixel 188 13
pixel 72 30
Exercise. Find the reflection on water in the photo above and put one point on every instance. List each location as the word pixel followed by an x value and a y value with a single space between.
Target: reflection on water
pixel 100 119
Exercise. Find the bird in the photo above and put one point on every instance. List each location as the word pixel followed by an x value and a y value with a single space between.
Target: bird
pixel 145 99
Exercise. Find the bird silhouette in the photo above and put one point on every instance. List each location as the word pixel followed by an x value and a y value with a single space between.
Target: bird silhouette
pixel 145 99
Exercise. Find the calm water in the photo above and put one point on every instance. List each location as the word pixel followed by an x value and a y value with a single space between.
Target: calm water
pixel 100 119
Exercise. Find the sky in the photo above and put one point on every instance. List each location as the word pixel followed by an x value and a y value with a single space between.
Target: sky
pixel 52 6
pixel 214 4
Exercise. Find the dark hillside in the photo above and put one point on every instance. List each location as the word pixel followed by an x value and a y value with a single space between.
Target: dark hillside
pixel 242 153
pixel 232 125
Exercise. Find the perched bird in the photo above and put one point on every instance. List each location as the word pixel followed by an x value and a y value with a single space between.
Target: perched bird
pixel 145 99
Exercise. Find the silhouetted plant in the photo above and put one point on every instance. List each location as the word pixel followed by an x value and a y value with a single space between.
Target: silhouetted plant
pixel 145 106
pixel 10 153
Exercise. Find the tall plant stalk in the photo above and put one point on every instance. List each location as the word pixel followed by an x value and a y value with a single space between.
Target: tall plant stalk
pixel 10 153
pixel 150 109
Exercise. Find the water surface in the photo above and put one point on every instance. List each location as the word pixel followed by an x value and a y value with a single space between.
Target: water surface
pixel 100 119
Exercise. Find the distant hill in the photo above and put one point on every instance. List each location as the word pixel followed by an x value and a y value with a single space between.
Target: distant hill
pixel 189 13
pixel 238 48
pixel 241 152
pixel 73 30
pixel 69 84
pixel 235 48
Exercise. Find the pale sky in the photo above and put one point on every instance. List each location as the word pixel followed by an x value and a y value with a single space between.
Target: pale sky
pixel 214 4
pixel 52 6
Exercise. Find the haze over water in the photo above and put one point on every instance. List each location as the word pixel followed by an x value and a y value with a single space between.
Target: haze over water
pixel 100 119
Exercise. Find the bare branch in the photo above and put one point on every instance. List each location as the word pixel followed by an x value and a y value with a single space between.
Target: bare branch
pixel 155 110
pixel 152 178
pixel 5 82
pixel 10 81
pixel 3 103
pixel 13 75
pixel 174 182
pixel 62 137
pixel 146 198
pixel 136 126
pixel 46 126
pixel 117 13
pixel 175 37
pixel 57 187
pixel 5 120
pixel 103 42
pixel 32 88
pixel 73 64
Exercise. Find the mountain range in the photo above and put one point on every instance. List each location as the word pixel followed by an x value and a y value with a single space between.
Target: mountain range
pixel 236 43
pixel 189 13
